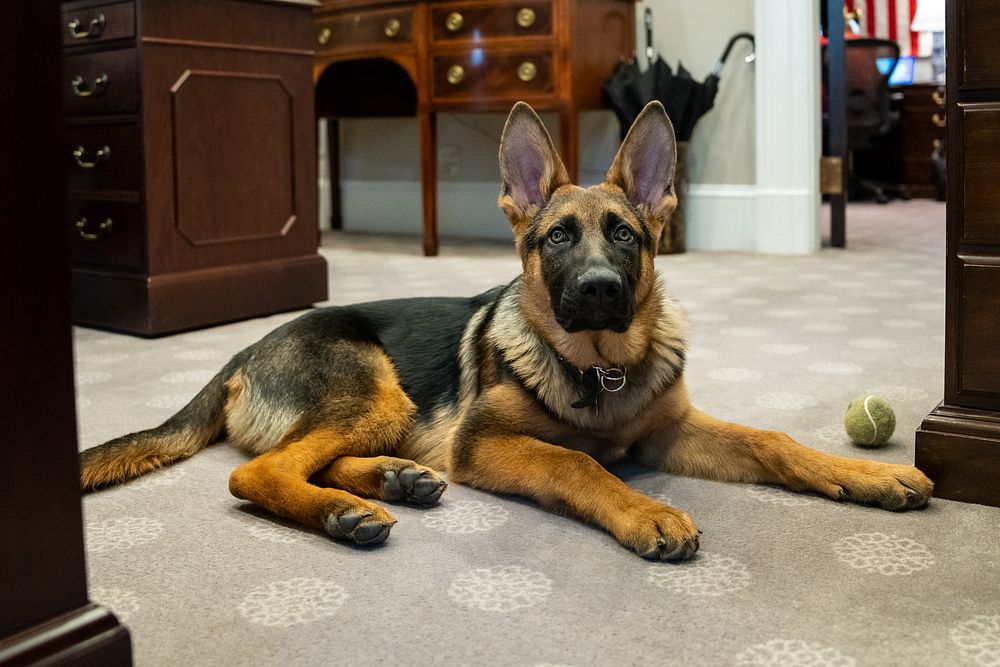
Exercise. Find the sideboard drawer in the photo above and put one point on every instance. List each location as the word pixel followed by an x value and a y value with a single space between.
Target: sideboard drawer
pixel 474 20
pixel 354 29
pixel 108 233
pixel 505 75
pixel 101 83
pixel 98 24
pixel 104 157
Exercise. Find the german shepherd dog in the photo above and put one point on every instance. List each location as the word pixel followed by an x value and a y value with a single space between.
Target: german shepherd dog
pixel 528 389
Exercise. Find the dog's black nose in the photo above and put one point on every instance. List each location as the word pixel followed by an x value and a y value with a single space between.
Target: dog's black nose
pixel 599 285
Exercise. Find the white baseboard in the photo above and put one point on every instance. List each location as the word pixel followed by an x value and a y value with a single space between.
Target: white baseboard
pixel 720 217
pixel 748 218
pixel 787 221
pixel 742 218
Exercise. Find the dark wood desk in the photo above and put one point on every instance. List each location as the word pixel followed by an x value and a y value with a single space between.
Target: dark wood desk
pixel 192 171
pixel 904 156
pixel 958 444
pixel 419 58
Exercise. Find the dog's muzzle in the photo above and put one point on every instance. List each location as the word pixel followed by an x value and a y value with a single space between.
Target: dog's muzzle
pixel 597 302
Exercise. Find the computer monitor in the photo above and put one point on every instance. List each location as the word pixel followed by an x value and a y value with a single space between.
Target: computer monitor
pixel 902 73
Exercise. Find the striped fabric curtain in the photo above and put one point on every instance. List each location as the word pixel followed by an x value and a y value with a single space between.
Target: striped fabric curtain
pixel 890 19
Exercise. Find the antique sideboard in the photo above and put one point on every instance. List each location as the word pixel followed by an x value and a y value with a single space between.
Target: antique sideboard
pixel 420 58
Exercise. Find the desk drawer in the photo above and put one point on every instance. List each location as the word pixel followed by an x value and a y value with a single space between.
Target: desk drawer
pixel 98 24
pixel 110 159
pixel 497 76
pixel 101 83
pixel 108 233
pixel 480 20
pixel 358 29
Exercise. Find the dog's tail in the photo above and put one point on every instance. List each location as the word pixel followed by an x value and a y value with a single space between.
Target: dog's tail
pixel 195 426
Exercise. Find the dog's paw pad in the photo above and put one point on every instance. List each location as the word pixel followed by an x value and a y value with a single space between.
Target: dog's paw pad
pixel 414 484
pixel 360 527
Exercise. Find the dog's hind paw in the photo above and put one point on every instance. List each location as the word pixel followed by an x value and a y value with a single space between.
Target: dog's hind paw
pixel 659 532
pixel 359 526
pixel 414 484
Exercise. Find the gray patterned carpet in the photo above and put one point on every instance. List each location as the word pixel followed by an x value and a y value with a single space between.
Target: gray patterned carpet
pixel 204 579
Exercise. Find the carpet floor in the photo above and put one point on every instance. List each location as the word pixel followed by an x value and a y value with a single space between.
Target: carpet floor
pixel 202 578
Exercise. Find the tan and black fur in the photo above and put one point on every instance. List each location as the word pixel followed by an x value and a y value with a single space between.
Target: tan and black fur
pixel 349 405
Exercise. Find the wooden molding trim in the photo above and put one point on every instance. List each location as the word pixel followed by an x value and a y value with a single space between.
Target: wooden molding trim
pixel 959 448
pixel 88 635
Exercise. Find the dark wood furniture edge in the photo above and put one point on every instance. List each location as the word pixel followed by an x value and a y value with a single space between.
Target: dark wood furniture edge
pixel 88 635
pixel 174 302
pixel 45 616
pixel 959 449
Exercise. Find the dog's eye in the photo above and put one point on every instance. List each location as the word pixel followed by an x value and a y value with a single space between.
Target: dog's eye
pixel 624 234
pixel 557 235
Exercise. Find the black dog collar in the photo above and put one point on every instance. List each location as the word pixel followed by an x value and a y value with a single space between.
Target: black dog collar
pixel 595 380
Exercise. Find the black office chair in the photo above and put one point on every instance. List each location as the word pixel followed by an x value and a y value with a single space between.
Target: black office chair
pixel 869 116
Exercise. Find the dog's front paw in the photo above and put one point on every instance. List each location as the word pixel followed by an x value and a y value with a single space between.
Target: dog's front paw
pixel 890 486
pixel 360 525
pixel 414 483
pixel 658 532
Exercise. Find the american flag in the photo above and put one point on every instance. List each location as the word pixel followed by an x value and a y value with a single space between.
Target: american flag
pixel 890 19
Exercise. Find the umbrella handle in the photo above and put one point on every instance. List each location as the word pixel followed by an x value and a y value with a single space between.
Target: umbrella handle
pixel 729 47
pixel 647 19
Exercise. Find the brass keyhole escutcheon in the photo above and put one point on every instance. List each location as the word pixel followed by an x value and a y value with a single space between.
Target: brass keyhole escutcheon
pixel 527 71
pixel 391 28
pixel 324 36
pixel 454 21
pixel 526 17
pixel 455 74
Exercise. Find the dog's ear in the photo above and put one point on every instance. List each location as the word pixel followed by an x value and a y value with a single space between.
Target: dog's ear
pixel 530 168
pixel 644 165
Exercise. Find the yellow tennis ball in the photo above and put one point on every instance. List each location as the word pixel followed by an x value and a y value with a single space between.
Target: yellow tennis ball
pixel 869 421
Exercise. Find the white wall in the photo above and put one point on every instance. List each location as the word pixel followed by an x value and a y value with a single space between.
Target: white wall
pixel 695 32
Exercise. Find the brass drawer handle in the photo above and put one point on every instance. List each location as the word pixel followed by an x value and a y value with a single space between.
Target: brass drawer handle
pixel 391 28
pixel 527 71
pixel 103 229
pixel 939 121
pixel 454 21
pixel 102 155
pixel 938 97
pixel 324 36
pixel 93 31
pixel 937 144
pixel 526 17
pixel 81 89
pixel 455 74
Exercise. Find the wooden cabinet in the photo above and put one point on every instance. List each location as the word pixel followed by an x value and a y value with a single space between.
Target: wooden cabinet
pixel 190 150
pixel 958 444
pixel 45 615
pixel 922 128
pixel 467 55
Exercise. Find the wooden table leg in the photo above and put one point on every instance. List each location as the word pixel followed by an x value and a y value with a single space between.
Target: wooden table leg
pixel 333 159
pixel 569 142
pixel 428 178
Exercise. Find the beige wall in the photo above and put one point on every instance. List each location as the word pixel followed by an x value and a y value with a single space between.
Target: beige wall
pixel 695 32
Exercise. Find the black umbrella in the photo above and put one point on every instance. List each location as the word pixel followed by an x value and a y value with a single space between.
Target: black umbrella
pixel 685 99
